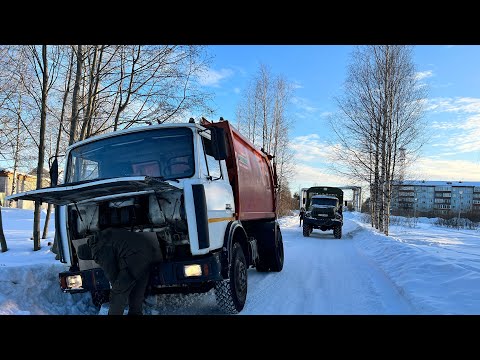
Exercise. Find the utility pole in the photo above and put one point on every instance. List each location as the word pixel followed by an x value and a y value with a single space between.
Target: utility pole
pixel 414 212
pixel 459 208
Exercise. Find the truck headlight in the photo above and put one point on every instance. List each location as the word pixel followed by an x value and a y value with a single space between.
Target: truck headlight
pixel 192 270
pixel 74 282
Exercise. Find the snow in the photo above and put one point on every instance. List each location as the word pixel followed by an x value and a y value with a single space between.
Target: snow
pixel 416 270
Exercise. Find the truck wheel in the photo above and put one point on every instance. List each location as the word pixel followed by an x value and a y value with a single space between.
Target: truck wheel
pixel 270 249
pixel 262 265
pixel 231 293
pixel 100 297
pixel 337 232
pixel 307 230
pixel 276 263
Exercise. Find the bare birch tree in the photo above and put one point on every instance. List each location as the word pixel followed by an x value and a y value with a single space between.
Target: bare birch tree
pixel 57 145
pixel 16 112
pixel 101 88
pixel 262 116
pixel 139 84
pixel 43 70
pixel 380 112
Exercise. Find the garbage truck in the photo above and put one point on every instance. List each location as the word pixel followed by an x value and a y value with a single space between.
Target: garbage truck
pixel 201 189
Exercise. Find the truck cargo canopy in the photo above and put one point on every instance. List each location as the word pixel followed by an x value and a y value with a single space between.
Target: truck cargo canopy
pixel 70 194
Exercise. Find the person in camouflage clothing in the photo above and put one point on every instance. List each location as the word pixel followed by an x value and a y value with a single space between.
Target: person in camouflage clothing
pixel 126 258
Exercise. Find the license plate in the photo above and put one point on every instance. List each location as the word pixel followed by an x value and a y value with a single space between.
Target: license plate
pixel 324 215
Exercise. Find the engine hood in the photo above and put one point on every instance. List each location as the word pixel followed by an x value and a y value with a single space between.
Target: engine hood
pixel 95 190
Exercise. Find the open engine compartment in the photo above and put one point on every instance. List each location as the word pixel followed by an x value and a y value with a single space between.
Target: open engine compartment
pixel 162 213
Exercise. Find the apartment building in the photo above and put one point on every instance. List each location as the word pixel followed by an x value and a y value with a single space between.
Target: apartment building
pixel 439 197
pixel 24 182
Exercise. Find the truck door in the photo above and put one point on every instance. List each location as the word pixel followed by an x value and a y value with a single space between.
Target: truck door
pixel 218 194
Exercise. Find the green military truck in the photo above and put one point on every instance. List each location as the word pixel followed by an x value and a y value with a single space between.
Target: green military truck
pixel 323 207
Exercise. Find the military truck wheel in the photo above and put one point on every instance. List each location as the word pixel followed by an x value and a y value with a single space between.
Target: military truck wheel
pixel 231 293
pixel 337 232
pixel 307 230
pixel 100 297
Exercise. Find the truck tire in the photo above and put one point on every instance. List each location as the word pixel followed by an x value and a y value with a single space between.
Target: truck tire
pixel 307 230
pixel 277 258
pixel 100 297
pixel 262 265
pixel 231 293
pixel 270 249
pixel 337 232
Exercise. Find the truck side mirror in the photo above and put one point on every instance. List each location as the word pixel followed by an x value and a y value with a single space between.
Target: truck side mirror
pixel 54 173
pixel 219 146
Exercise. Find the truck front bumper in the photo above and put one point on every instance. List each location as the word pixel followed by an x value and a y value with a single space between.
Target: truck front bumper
pixel 192 272
pixel 325 223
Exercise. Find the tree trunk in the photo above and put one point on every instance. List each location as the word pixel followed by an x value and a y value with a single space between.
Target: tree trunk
pixel 3 242
pixel 17 149
pixel 76 90
pixel 41 150
pixel 57 147
pixel 47 220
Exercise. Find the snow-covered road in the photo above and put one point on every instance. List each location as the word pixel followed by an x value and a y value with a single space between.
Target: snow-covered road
pixel 321 275
pixel 416 270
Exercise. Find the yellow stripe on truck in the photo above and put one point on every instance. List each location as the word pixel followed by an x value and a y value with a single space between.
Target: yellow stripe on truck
pixel 212 220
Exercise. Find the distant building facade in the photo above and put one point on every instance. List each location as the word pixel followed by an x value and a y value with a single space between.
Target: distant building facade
pixel 24 182
pixel 437 197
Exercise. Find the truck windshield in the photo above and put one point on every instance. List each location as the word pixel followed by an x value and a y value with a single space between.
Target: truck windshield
pixel 324 201
pixel 165 153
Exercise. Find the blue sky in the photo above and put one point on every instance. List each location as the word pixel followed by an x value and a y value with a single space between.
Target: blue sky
pixel 452 74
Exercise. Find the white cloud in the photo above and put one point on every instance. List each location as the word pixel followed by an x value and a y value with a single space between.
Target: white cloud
pixel 309 148
pixel 468 140
pixel 300 115
pixel 441 85
pixel 309 137
pixel 424 74
pixel 463 136
pixel 211 77
pixel 458 104
pixel 306 176
pixel 303 104
pixel 444 125
pixel 297 85
pixel 239 70
pixel 433 169
pixel 312 159
pixel 236 90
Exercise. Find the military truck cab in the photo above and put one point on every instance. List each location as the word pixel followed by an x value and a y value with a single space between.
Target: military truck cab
pixel 324 210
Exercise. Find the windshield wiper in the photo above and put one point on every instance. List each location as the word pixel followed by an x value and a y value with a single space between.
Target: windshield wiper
pixel 161 178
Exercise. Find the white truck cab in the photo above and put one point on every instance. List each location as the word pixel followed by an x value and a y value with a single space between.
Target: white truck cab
pixel 169 182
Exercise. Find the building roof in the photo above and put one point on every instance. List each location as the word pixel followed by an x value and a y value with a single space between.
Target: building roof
pixel 438 183
pixel 6 171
